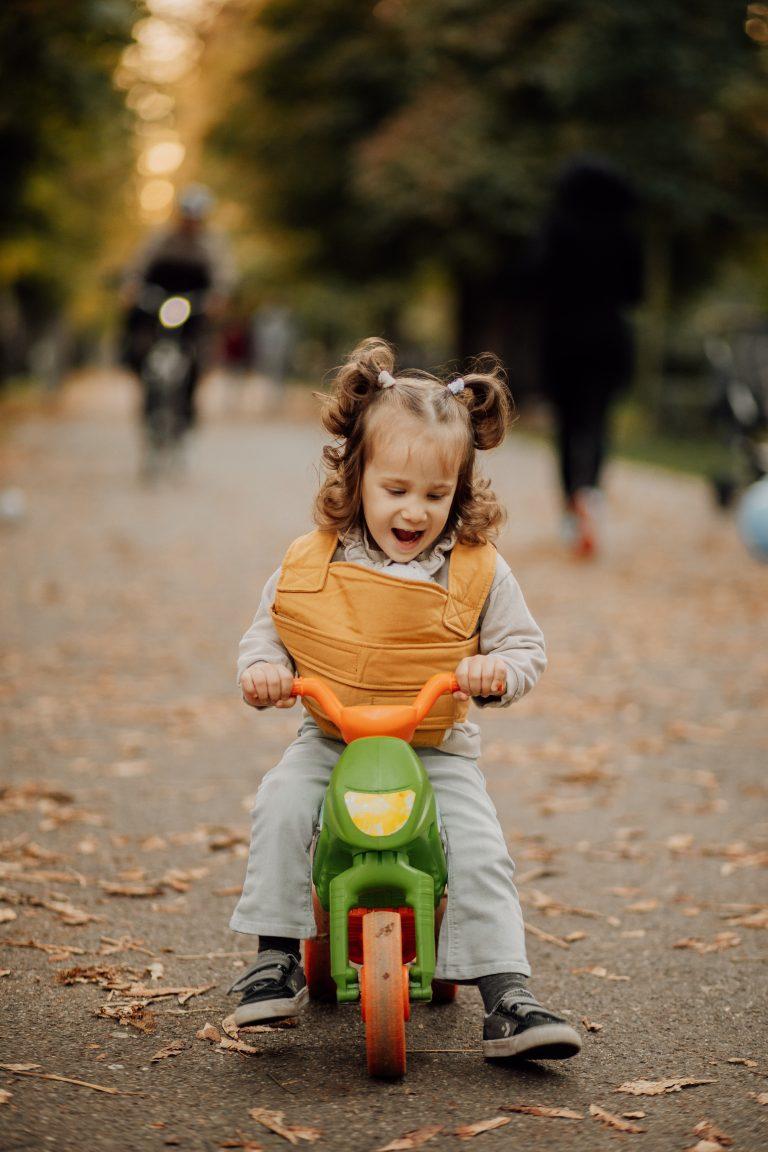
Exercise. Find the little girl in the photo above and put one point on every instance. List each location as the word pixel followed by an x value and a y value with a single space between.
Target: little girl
pixel 405 523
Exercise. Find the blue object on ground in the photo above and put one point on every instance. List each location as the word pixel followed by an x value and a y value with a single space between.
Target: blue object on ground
pixel 753 519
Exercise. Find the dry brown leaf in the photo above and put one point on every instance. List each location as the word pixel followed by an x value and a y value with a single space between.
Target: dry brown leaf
pixel 591 1025
pixel 136 1015
pixel 5 972
pixel 742 1060
pixel 243 1144
pixel 414 1139
pixel 109 945
pixel 642 906
pixel 7 915
pixel 633 1115
pixel 761 1097
pixel 612 1121
pixel 209 1032
pixel 173 1049
pixel 659 1087
pixel 710 1135
pixel 467 1131
pixel 274 1122
pixel 598 970
pixel 5 1095
pixel 141 992
pixel 227 1045
pixel 751 919
pixel 108 976
pixel 135 890
pixel 547 937
pixel 56 951
pixel 544 1110
pixel 721 942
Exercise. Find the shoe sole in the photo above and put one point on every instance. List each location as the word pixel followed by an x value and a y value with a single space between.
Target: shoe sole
pixel 272 1009
pixel 547 1042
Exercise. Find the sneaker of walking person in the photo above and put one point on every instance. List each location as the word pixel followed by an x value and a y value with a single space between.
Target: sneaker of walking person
pixel 520 1026
pixel 272 988
pixel 582 527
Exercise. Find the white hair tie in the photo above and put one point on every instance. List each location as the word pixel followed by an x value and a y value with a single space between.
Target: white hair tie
pixel 386 380
pixel 456 386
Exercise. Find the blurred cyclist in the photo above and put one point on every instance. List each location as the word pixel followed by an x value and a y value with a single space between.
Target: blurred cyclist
pixel 184 257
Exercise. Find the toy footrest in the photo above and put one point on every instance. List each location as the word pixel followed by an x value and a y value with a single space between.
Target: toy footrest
pixel 355 931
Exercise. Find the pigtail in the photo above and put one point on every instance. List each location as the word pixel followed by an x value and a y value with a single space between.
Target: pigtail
pixel 355 384
pixel 353 388
pixel 488 401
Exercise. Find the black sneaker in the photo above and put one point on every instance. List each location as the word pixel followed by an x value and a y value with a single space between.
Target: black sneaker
pixel 519 1026
pixel 275 986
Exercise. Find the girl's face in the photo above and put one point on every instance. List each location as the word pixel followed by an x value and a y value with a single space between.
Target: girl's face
pixel 408 486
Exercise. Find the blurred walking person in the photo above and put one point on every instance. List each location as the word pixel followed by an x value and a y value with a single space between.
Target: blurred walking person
pixel 590 273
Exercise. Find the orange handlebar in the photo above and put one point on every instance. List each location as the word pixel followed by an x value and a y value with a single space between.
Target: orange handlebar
pixel 358 720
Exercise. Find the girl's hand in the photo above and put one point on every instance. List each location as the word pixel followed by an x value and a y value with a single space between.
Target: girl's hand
pixel 265 685
pixel 481 676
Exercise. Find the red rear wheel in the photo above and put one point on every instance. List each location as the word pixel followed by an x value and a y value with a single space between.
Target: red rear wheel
pixel 382 993
pixel 317 957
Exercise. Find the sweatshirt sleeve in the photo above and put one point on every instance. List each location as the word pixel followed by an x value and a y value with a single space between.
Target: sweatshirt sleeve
pixel 261 643
pixel 508 630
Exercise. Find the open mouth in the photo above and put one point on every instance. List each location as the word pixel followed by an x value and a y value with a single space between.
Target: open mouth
pixel 404 537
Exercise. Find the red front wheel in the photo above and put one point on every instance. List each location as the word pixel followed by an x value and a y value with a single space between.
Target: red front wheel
pixel 383 990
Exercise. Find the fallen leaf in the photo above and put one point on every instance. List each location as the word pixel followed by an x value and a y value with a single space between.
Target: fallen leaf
pixel 274 1122
pixel 659 1087
pixel 751 919
pixel 761 1097
pixel 135 890
pixel 135 1015
pixel 591 1025
pixel 5 1095
pixel 633 1115
pixel 742 1060
pixel 711 1135
pixel 173 1049
pixel 413 1139
pixel 56 951
pixel 544 1110
pixel 227 1045
pixel 598 970
pixel 612 1121
pixel 7 915
pixel 5 972
pixel 721 942
pixel 467 1131
pixel 209 1032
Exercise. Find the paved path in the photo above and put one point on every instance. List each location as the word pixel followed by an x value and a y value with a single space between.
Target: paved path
pixel 631 786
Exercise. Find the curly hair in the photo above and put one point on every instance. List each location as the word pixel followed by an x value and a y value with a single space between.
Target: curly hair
pixel 358 404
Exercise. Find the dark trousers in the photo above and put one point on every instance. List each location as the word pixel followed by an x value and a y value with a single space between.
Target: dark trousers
pixel 582 432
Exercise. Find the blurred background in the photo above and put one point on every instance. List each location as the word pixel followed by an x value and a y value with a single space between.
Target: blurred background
pixel 391 168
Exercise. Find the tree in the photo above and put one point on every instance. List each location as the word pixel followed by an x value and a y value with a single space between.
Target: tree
pixel 388 134
pixel 63 135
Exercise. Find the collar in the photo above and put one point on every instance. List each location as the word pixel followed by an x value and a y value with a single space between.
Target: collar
pixel 360 549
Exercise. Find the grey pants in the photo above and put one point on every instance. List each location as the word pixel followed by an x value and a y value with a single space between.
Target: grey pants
pixel 482 931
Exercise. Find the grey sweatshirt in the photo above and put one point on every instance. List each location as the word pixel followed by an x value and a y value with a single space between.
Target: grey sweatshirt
pixel 506 627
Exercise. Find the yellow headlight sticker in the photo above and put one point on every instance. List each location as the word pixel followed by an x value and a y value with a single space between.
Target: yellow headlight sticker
pixel 380 813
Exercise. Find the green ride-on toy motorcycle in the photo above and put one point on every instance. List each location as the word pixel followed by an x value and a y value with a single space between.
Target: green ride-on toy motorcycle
pixel 379 871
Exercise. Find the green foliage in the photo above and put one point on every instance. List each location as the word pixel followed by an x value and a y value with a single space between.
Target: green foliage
pixel 383 134
pixel 64 140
